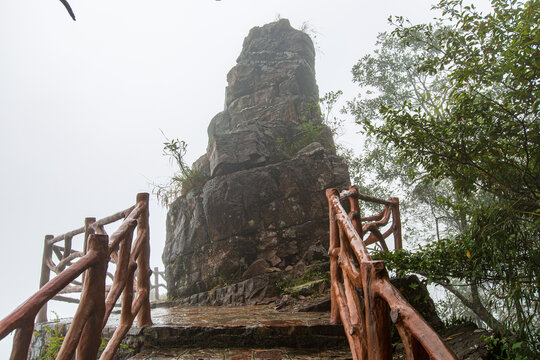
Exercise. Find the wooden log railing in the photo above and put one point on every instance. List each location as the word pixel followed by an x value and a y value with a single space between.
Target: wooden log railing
pixel 66 255
pixel 362 297
pixel 375 222
pixel 96 303
pixel 156 285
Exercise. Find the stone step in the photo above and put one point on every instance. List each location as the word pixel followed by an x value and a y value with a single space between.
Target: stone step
pixel 241 354
pixel 251 328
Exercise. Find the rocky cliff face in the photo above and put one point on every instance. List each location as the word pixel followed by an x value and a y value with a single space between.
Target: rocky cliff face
pixel 269 159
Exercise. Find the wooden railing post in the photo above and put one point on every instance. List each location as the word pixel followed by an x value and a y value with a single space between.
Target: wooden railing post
pixel 45 275
pixel 419 340
pixel 95 290
pixel 379 339
pixel 122 273
pixel 144 317
pixel 84 334
pixel 413 349
pixel 357 330
pixel 88 230
pixel 333 251
pixel 356 216
pixel 22 340
pixel 156 283
pixel 396 223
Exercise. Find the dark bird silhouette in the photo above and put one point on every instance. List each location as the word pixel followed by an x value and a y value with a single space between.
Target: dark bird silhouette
pixel 68 8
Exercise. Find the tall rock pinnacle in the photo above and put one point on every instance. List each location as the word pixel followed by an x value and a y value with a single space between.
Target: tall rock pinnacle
pixel 269 159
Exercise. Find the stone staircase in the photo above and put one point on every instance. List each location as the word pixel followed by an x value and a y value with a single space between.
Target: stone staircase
pixel 245 332
pixel 251 332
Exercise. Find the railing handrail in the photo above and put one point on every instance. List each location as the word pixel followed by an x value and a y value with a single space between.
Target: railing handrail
pixel 367 327
pixel 84 334
pixel 391 209
pixel 91 226
pixel 26 310
pixel 101 222
pixel 353 192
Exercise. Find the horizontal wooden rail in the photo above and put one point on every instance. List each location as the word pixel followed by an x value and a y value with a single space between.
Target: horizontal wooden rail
pixel 105 221
pixel 353 192
pixel 362 297
pixel 375 222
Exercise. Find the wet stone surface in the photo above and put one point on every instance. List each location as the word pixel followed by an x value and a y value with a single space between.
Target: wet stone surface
pixel 251 328
pixel 223 316
pixel 252 332
pixel 241 354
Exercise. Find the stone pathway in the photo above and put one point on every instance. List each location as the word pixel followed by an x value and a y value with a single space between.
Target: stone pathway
pixel 241 354
pixel 254 315
pixel 246 332
pixel 254 332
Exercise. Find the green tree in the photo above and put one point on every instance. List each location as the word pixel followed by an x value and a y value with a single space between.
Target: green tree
pixel 486 135
pixel 390 78
pixel 456 103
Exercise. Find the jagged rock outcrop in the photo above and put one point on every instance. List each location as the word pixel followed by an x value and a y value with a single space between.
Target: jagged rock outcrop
pixel 268 161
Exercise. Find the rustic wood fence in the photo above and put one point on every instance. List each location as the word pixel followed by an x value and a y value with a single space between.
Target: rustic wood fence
pixel 131 280
pixel 156 284
pixel 363 298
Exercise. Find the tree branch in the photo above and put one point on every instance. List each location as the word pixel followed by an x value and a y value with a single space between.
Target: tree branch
pixel 68 8
pixel 482 312
pixel 475 304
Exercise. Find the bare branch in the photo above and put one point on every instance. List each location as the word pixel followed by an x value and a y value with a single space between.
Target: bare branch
pixel 68 8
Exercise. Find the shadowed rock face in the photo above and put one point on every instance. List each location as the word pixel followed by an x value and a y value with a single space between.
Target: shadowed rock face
pixel 258 202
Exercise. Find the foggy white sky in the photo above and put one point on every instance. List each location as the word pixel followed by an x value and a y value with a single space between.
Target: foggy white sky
pixel 82 103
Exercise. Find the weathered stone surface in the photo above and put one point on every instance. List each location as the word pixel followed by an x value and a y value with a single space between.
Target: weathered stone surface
pixel 315 253
pixel 248 292
pixel 309 288
pixel 259 203
pixel 236 151
pixel 468 341
pixel 188 327
pixel 258 267
pixel 198 332
pixel 342 353
pixel 320 304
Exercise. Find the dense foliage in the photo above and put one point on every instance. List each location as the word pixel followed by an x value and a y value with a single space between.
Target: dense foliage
pixel 456 103
pixel 487 134
pixel 389 79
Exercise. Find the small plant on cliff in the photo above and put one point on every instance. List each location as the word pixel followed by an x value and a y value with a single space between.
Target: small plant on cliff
pixel 312 273
pixel 54 338
pixel 306 132
pixel 183 180
pixel 312 125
